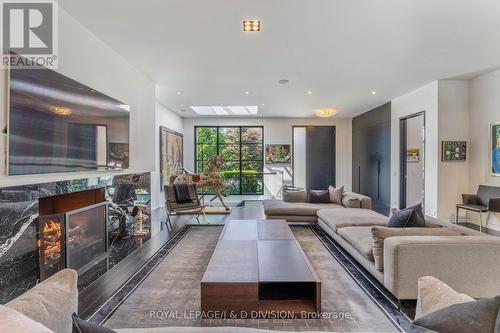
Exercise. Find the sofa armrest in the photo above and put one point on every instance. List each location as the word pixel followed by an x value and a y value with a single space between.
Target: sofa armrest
pixel 469 199
pixel 469 264
pixel 494 205
pixel 365 202
pixel 51 302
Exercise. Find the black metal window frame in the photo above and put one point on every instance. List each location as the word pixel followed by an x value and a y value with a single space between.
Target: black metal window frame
pixel 240 161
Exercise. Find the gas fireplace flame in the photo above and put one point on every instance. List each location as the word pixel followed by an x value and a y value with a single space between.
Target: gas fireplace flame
pixel 51 245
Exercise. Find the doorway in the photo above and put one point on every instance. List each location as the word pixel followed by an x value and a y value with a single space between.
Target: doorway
pixel 313 158
pixel 412 160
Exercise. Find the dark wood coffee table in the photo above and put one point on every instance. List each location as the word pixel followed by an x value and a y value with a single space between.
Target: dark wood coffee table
pixel 258 265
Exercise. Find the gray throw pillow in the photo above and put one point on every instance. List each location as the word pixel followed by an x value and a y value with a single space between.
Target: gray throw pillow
pixel 411 217
pixel 471 317
pixel 318 197
pixel 336 194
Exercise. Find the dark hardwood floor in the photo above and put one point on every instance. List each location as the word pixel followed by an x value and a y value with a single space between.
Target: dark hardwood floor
pixel 474 226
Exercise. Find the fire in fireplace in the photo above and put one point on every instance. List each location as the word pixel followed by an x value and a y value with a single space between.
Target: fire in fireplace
pixel 72 232
pixel 50 244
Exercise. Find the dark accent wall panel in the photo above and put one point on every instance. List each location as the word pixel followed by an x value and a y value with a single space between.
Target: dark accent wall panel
pixel 371 156
pixel 320 157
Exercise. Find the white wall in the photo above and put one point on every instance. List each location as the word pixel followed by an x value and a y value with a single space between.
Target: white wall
pixel 171 120
pixel 299 162
pixel 484 110
pixel 453 177
pixel 422 99
pixel 279 130
pixel 85 58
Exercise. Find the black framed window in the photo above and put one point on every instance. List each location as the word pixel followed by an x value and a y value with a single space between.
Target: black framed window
pixel 243 150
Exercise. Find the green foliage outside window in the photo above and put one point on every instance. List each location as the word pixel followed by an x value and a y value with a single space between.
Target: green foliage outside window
pixel 242 149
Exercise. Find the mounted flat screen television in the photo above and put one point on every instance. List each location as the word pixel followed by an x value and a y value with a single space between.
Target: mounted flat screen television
pixel 56 124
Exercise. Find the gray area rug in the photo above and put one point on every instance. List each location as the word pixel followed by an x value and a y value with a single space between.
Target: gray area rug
pixel 170 295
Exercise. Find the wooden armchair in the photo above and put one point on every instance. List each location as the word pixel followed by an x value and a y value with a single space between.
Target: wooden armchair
pixel 174 208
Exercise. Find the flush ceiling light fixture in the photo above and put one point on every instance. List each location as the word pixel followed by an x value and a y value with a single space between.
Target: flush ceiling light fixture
pixel 325 112
pixel 374 92
pixel 251 25
pixel 62 111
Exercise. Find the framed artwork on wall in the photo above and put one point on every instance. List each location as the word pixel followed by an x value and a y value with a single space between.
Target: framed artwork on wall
pixel 278 154
pixel 171 154
pixel 453 151
pixel 495 149
pixel 413 155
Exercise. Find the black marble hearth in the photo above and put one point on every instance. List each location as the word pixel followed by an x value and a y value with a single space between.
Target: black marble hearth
pixel 19 210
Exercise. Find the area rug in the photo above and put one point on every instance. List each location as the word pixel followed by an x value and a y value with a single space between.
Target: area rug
pixel 170 295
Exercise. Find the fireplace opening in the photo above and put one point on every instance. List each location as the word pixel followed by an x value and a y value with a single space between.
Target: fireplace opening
pixel 72 231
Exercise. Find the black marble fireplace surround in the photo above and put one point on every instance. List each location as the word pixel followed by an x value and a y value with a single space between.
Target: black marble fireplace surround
pixel 19 211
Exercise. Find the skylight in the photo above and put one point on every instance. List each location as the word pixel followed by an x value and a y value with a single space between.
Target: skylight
pixel 225 110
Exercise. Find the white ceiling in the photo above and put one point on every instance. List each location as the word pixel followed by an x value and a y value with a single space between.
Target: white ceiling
pixel 341 50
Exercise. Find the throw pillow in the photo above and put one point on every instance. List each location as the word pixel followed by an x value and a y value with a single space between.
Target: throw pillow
pixel 82 326
pixel 319 197
pixel 471 317
pixel 336 194
pixel 294 196
pixel 434 295
pixel 411 217
pixel 379 234
pixel 13 321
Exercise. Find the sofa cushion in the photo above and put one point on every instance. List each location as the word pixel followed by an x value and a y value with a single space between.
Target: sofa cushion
pixel 13 321
pixel 318 196
pixel 294 196
pixel 278 207
pixel 434 295
pixel 379 234
pixel 410 217
pixel 340 218
pixel 360 238
pixel 335 194
pixel 51 302
pixel 471 317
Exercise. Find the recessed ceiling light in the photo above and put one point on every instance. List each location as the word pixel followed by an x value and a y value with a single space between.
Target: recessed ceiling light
pixel 251 25
pixel 325 112
pixel 374 92
pixel 247 92
pixel 262 104
pixel 309 92
pixel 283 81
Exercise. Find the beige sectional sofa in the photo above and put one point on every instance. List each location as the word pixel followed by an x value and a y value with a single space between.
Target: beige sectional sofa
pixel 295 208
pixel 467 260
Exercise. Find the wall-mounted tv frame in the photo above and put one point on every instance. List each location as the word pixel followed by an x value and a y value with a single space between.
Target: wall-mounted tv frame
pixel 56 124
